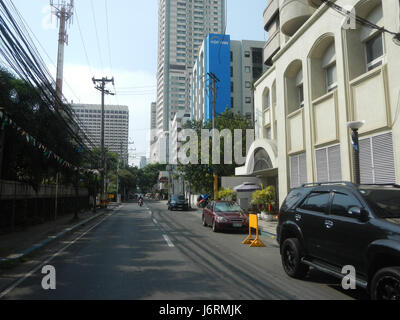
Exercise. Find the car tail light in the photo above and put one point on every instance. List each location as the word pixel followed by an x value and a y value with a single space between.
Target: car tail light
pixel 279 215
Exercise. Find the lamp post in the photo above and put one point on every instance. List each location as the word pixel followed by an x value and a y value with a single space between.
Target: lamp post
pixel 354 127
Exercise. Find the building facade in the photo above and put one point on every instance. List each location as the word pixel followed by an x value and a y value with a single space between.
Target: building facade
pixel 327 71
pixel 153 157
pixel 237 65
pixel 182 27
pixel 116 131
pixel 143 162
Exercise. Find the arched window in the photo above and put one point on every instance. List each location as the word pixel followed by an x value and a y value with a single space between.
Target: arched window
pixel 323 67
pixel 266 99
pixel 262 161
pixel 294 86
pixel 373 40
pixel 366 46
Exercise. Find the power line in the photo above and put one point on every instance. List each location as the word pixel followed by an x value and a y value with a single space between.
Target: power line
pixel 361 20
pixel 97 34
pixel 108 36
pixel 21 55
pixel 83 43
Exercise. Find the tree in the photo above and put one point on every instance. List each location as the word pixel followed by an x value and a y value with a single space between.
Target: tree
pixel 23 160
pixel 200 176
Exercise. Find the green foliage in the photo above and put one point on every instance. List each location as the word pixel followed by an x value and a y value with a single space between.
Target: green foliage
pixel 264 197
pixel 227 194
pixel 22 161
pixel 201 175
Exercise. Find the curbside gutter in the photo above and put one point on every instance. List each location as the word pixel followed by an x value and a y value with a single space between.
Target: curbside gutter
pixel 50 239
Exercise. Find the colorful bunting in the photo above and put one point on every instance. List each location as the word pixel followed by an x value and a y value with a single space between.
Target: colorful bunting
pixel 6 120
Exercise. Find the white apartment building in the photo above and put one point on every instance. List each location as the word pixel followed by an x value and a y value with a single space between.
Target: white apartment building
pixel 327 71
pixel 116 131
pixel 182 27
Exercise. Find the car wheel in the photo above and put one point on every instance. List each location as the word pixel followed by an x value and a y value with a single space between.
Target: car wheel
pixel 291 254
pixel 214 226
pixel 386 284
pixel 204 221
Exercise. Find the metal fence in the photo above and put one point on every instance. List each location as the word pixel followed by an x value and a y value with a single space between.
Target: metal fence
pixel 21 206
pixel 10 190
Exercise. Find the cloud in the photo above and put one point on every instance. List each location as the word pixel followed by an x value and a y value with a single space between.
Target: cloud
pixel 135 89
pixel 49 21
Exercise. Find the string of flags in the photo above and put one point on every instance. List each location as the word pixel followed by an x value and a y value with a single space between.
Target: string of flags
pixel 7 121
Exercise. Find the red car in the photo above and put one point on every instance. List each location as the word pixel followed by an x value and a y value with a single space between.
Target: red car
pixel 225 215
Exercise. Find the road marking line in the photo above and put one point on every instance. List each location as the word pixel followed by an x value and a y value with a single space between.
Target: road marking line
pixel 29 274
pixel 169 242
pixel 155 221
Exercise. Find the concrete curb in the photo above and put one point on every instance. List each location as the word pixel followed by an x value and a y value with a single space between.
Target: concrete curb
pixel 267 234
pixel 49 240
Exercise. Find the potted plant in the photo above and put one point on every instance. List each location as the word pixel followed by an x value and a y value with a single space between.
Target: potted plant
pixel 265 199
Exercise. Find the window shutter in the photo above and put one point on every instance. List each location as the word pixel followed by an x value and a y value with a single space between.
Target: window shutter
pixel 329 165
pixel 294 172
pixel 335 163
pixel 366 170
pixel 377 160
pixel 302 168
pixel 383 157
pixel 322 165
pixel 298 170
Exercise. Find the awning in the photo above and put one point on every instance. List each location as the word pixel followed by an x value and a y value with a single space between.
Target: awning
pixel 247 187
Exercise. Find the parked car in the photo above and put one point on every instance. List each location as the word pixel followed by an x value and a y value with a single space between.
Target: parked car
pixel 225 215
pixel 333 225
pixel 178 202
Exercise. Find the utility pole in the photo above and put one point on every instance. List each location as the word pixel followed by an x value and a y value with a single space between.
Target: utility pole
pixel 101 86
pixel 213 88
pixel 64 13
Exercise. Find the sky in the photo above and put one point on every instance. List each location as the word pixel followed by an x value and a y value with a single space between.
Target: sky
pixel 118 38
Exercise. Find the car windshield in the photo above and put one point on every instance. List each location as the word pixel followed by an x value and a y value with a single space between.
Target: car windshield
pixel 178 198
pixel 385 203
pixel 227 207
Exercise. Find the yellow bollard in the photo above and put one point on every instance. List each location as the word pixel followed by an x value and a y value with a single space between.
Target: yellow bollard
pixel 254 243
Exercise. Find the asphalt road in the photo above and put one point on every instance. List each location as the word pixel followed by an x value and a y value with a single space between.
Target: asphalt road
pixel 150 253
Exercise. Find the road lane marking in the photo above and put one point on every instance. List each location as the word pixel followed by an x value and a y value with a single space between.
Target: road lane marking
pixel 155 221
pixel 169 242
pixel 29 274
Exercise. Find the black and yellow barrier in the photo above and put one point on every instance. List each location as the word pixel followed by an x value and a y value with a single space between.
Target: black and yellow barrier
pixel 253 224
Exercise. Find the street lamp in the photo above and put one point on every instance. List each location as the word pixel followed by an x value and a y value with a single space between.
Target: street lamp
pixel 354 127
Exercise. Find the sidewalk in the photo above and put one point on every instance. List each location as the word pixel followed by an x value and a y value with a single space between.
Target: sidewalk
pixel 268 228
pixel 16 245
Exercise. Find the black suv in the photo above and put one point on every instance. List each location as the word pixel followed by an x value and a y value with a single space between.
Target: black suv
pixel 178 202
pixel 333 225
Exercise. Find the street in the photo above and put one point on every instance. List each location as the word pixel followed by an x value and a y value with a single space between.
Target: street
pixel 149 253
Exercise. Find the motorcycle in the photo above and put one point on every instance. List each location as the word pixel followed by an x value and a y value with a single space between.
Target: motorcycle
pixel 140 203
pixel 202 201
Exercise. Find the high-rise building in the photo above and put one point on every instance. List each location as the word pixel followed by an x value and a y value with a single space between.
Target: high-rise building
pixel 116 126
pixel 182 27
pixel 143 162
pixel 153 158
pixel 237 65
